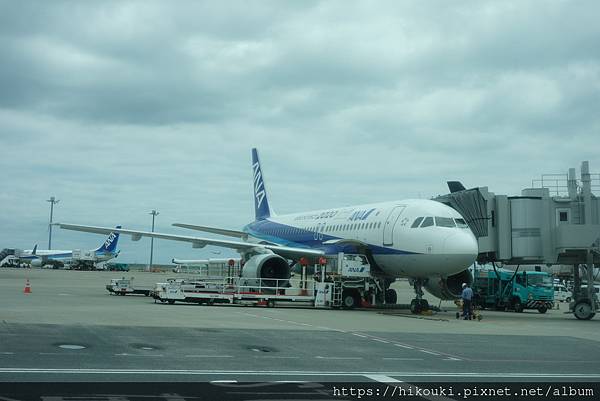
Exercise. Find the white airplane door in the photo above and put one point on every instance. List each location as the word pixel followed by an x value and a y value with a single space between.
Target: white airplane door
pixel 390 223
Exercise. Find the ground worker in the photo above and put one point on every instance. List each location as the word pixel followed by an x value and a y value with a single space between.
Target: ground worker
pixel 467 298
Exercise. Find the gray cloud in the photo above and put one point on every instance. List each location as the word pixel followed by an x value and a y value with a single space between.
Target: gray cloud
pixel 121 107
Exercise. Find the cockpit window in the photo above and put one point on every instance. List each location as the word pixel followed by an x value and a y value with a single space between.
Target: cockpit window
pixel 427 222
pixel 417 222
pixel 461 223
pixel 444 222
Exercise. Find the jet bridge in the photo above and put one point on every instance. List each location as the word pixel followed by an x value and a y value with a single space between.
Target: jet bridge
pixel 556 221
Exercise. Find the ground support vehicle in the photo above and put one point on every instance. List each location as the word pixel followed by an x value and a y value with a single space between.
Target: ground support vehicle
pixel 116 267
pixel 505 289
pixel 124 286
pixel 561 294
pixel 344 280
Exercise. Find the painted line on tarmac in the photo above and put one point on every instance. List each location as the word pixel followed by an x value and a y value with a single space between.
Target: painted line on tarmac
pixel 429 352
pixel 7 353
pixel 402 359
pixel 383 379
pixel 359 335
pixel 301 373
pixel 425 350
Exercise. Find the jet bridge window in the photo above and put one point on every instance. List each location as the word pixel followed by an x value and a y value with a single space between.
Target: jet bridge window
pixel 417 222
pixel 444 222
pixel 427 222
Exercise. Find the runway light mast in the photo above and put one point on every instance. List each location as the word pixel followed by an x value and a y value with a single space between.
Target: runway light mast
pixel 154 213
pixel 53 202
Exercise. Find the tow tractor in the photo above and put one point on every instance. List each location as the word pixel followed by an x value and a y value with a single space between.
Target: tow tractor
pixel 124 286
pixel 343 280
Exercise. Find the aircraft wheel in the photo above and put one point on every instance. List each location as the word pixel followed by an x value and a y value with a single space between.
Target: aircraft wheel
pixel 415 306
pixel 583 310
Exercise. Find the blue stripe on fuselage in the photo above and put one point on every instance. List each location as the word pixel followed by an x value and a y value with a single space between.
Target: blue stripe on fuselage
pixel 300 238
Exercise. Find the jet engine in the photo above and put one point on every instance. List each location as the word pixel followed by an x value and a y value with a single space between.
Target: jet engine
pixel 449 288
pixel 265 267
pixel 37 263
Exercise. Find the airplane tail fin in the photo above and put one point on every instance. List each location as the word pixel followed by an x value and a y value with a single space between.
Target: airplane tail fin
pixel 34 250
pixel 110 245
pixel 261 203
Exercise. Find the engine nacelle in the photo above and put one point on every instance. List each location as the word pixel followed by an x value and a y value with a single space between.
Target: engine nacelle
pixel 451 287
pixel 36 263
pixel 265 267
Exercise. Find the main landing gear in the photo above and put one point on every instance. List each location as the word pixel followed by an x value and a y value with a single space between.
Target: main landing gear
pixel 419 304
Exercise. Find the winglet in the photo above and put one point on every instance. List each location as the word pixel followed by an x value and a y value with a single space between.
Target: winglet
pixel 261 203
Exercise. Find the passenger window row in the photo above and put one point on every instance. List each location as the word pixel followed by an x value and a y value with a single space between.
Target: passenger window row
pixel 330 228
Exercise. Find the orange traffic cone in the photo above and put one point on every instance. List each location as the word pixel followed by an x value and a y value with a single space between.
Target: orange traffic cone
pixel 27 289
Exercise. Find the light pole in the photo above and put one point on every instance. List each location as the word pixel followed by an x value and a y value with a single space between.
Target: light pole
pixel 53 202
pixel 154 213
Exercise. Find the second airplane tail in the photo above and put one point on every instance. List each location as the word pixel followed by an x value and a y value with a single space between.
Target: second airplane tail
pixel 110 245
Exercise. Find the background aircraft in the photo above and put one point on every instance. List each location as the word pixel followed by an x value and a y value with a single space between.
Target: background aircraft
pixel 58 258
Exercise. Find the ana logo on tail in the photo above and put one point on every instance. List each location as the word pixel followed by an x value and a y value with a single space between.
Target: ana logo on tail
pixel 110 240
pixel 259 188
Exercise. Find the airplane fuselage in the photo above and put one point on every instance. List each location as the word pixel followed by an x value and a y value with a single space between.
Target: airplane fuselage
pixel 441 244
pixel 61 255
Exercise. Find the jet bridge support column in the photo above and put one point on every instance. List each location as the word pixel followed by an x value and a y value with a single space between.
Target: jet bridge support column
pixel 591 290
pixel 576 282
pixel 585 303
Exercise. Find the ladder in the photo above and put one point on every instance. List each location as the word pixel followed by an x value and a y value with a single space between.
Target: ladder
pixel 336 296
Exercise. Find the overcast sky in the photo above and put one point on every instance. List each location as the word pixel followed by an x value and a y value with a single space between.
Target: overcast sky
pixel 118 108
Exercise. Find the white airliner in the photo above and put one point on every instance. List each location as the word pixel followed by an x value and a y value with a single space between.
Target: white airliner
pixel 423 240
pixel 58 258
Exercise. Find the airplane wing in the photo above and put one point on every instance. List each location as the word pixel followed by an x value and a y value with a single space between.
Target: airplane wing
pixel 214 230
pixel 198 242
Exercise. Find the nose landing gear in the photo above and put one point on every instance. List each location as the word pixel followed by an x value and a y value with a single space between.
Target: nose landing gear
pixel 418 304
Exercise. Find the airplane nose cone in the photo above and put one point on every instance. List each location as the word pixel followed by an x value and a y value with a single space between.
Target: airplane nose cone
pixel 461 248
